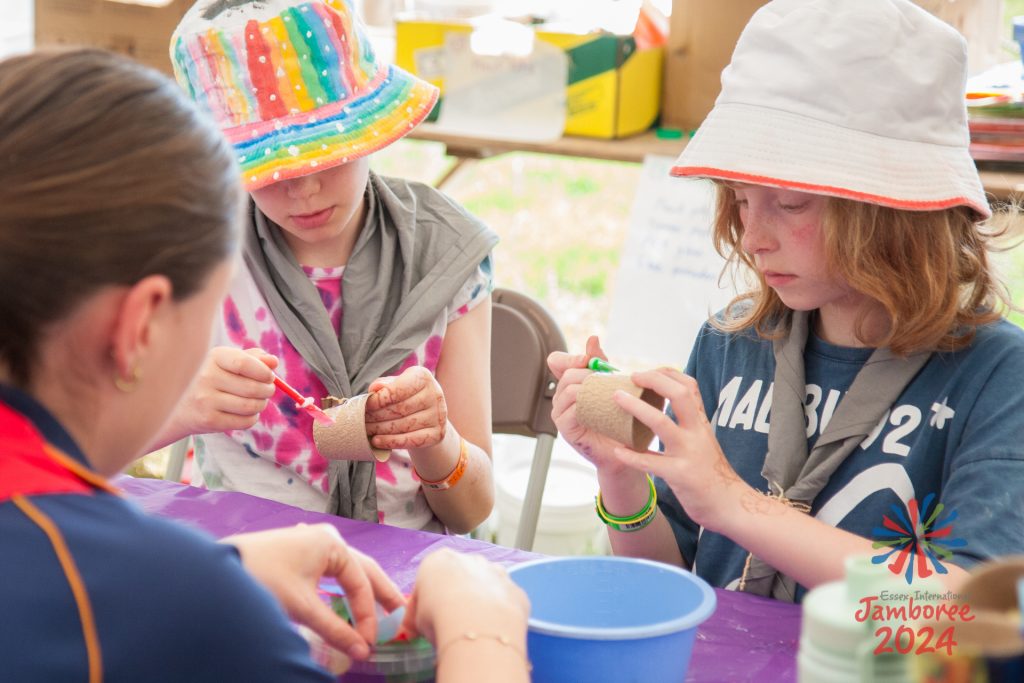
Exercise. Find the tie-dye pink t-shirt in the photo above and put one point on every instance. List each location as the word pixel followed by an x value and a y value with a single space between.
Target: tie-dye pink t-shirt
pixel 276 458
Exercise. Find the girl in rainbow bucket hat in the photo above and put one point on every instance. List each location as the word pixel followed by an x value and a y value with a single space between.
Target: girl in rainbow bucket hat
pixel 352 282
pixel 119 237
pixel 867 375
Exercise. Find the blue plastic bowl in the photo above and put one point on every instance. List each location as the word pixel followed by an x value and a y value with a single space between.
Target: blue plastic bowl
pixel 611 619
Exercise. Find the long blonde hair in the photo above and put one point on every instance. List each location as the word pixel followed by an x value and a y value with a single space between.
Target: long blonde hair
pixel 930 271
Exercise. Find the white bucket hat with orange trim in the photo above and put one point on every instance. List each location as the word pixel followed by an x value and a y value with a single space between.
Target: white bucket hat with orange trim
pixel 861 99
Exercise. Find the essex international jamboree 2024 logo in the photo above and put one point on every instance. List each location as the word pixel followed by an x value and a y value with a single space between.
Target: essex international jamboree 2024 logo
pixel 920 537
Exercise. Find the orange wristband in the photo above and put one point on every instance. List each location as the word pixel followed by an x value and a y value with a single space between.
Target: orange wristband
pixel 453 477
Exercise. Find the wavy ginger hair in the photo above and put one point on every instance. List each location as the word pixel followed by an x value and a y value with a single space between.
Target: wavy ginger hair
pixel 929 270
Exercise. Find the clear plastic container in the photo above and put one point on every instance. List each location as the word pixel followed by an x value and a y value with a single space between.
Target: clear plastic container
pixel 396 662
pixel 392 660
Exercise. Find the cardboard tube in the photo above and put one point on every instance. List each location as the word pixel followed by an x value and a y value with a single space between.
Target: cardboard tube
pixel 596 410
pixel 346 439
pixel 993 585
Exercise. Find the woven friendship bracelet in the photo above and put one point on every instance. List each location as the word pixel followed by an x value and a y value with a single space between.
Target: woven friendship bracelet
pixel 454 476
pixel 472 636
pixel 637 521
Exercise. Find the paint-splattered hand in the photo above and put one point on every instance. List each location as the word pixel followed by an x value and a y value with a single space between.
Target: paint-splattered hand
pixel 406 411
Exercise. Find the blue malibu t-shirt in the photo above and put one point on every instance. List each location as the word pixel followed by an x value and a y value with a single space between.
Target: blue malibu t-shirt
pixel 955 432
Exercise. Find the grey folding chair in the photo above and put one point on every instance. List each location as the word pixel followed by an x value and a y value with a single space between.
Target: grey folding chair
pixel 176 459
pixel 523 333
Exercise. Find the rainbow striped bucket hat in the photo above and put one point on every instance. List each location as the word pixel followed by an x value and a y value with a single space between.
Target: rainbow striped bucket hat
pixel 295 86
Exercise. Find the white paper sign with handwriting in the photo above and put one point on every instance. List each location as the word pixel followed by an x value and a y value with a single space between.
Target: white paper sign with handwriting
pixel 667 284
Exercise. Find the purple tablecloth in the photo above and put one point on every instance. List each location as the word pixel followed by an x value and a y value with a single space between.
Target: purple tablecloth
pixel 746 639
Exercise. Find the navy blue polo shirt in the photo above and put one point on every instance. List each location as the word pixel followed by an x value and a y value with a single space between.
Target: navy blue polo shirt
pixel 169 604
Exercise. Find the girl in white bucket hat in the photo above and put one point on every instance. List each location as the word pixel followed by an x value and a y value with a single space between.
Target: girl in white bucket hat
pixel 865 391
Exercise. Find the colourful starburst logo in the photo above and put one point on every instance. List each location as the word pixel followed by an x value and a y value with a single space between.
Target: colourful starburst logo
pixel 918 538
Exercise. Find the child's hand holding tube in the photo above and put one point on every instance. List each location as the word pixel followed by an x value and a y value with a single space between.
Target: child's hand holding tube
pixel 571 370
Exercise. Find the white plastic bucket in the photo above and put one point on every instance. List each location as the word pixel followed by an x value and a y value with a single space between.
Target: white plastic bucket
pixel 568 524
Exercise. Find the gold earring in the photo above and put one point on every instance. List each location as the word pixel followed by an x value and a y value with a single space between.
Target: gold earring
pixel 128 385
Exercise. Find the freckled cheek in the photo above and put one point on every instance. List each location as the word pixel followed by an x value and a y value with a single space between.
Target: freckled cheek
pixel 808 238
pixel 808 234
pixel 808 246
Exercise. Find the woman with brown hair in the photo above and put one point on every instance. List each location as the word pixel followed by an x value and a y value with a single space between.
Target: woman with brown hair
pixel 871 336
pixel 119 231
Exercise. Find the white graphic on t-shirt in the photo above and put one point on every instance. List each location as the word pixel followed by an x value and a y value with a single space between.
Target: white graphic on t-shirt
pixel 812 400
pixel 905 418
pixel 746 410
pixel 749 409
pixel 942 413
pixel 752 410
pixel 887 476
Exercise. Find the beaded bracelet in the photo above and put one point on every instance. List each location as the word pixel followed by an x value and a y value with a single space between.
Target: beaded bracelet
pixel 453 476
pixel 637 521
pixel 472 636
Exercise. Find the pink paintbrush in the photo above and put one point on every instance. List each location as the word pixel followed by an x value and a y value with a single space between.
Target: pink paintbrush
pixel 304 402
